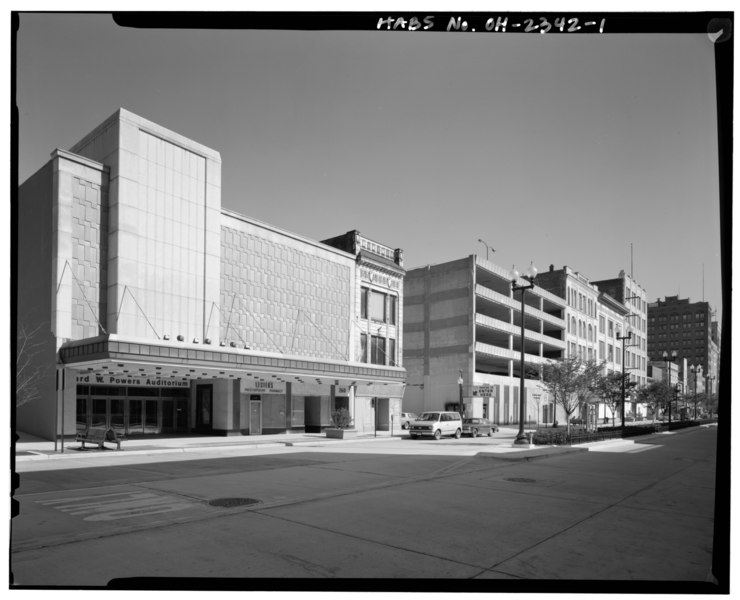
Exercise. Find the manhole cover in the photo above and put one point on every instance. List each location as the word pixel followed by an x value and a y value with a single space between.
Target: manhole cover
pixel 232 502
pixel 520 479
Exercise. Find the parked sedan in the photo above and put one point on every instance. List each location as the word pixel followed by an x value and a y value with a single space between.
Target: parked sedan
pixel 406 419
pixel 476 427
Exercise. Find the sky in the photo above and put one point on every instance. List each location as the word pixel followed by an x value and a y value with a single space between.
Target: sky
pixel 596 151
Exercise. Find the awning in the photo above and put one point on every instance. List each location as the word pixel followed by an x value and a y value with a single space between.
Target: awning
pixel 112 360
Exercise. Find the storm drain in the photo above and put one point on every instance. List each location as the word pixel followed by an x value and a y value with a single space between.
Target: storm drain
pixel 520 479
pixel 232 502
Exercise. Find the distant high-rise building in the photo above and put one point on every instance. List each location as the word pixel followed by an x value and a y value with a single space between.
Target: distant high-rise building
pixel 689 329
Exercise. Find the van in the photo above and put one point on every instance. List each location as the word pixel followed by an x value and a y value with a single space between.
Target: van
pixel 436 424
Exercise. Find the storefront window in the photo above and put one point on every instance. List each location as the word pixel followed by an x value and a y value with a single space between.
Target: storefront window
pixel 273 411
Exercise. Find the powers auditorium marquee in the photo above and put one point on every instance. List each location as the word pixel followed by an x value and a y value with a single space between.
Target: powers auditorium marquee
pixel 132 381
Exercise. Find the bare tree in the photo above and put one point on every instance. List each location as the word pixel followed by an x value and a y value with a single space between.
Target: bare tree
pixel 29 344
pixel 570 381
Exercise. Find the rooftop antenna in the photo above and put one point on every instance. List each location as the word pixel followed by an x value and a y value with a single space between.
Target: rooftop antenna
pixel 702 282
pixel 632 266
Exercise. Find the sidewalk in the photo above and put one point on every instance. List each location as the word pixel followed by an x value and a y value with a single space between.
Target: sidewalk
pixel 29 447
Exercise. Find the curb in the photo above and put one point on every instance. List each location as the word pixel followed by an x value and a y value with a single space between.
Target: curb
pixel 532 455
pixel 73 453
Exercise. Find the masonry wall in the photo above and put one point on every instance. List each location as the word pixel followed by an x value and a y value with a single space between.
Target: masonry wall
pixel 164 228
pixel 35 408
pixel 438 333
pixel 282 294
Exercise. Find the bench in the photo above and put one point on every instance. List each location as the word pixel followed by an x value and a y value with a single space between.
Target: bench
pixel 98 436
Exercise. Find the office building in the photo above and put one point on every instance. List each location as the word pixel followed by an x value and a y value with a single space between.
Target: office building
pixel 691 331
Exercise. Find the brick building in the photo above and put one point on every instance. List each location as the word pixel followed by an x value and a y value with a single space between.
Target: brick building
pixel 690 330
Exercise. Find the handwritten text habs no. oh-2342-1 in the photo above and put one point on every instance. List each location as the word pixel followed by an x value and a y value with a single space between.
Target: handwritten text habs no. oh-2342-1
pixel 497 24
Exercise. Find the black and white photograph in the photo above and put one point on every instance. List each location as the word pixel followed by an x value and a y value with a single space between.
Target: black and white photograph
pixel 375 301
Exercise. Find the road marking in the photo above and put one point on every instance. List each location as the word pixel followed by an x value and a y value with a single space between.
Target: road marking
pixel 119 505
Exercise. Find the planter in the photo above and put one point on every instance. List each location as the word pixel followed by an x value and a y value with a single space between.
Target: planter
pixel 340 434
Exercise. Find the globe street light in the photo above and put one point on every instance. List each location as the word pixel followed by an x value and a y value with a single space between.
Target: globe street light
pixel 487 247
pixel 623 338
pixel 521 439
pixel 672 358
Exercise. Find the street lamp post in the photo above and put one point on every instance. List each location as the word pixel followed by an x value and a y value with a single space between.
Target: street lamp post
pixel 521 439
pixel 487 247
pixel 623 338
pixel 460 386
pixel 672 358
pixel 678 385
pixel 695 372
pixel 708 389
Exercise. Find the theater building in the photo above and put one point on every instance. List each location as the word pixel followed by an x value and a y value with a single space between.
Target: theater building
pixel 145 306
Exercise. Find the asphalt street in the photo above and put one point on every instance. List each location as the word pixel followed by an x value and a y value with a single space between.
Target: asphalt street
pixel 394 515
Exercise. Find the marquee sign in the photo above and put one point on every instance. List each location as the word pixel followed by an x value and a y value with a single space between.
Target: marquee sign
pixel 262 387
pixel 132 381
pixel 485 391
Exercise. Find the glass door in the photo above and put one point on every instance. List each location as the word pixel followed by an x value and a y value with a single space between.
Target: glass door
pixel 99 415
pixel 203 408
pixel 151 416
pixel 116 415
pixel 135 421
pixel 174 415
pixel 168 415
pixel 255 417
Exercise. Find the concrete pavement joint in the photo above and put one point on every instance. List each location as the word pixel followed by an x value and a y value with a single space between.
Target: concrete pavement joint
pixel 579 522
pixel 256 508
pixel 373 542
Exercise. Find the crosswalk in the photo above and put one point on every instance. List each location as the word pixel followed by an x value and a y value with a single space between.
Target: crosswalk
pixel 116 505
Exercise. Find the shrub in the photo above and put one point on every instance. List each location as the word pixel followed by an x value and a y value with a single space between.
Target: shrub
pixel 549 437
pixel 341 419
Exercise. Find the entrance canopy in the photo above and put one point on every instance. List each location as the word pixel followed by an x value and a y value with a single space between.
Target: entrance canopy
pixel 113 360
